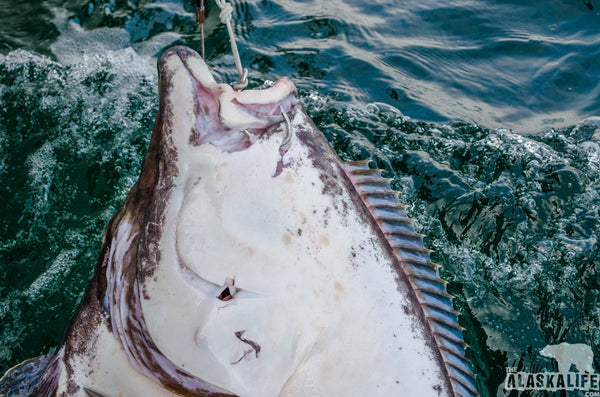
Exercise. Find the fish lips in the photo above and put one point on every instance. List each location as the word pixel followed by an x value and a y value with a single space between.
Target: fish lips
pixel 229 119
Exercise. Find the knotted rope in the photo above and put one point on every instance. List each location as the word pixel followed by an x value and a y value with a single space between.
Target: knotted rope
pixel 225 16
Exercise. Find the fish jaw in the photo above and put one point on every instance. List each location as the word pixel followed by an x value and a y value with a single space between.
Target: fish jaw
pixel 205 111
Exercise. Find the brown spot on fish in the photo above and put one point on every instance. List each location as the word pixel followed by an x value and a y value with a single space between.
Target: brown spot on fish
pixel 339 287
pixel 325 241
pixel 287 239
pixel 302 218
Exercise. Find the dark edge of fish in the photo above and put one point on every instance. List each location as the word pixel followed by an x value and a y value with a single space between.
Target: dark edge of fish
pixel 154 181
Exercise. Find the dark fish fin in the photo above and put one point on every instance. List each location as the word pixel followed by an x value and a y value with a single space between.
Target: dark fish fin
pixel 422 274
pixel 23 379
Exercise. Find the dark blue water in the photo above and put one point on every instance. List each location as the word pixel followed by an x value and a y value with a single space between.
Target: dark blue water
pixel 486 114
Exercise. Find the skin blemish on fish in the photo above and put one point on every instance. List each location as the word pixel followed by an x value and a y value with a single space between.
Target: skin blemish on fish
pixel 193 136
pixel 352 258
pixel 302 218
pixel 255 346
pixel 325 241
pixel 219 171
pixel 243 356
pixel 339 287
pixel 287 239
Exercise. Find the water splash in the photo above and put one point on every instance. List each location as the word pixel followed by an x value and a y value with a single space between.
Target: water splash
pixel 82 127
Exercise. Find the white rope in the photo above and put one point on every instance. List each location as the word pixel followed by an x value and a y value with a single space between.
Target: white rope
pixel 225 15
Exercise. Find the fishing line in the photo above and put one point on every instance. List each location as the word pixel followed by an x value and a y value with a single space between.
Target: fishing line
pixel 200 21
pixel 225 16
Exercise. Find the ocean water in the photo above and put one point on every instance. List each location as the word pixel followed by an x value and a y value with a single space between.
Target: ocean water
pixel 485 113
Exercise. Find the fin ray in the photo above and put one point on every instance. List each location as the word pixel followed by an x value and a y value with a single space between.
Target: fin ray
pixel 382 202
pixel 24 378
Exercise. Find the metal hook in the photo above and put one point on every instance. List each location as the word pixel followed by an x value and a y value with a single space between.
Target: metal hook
pixel 288 124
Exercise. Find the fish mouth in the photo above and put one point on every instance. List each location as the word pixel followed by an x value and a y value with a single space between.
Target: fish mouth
pixel 232 120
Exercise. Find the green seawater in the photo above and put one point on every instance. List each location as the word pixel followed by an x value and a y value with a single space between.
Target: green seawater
pixel 486 114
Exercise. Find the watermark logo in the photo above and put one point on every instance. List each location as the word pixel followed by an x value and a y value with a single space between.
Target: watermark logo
pixel 575 371
pixel 566 354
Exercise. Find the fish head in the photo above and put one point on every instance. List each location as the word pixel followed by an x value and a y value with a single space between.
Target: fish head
pixel 215 113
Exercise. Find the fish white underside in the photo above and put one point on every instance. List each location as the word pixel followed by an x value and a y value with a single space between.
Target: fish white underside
pixel 316 294
pixel 317 307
